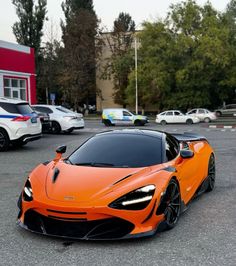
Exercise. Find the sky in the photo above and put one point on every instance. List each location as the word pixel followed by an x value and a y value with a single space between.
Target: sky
pixel 107 11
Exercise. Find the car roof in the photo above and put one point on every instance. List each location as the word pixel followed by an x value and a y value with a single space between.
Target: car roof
pixel 132 131
pixel 115 109
pixel 10 100
pixel 172 111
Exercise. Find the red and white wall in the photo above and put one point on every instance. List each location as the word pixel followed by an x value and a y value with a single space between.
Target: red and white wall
pixel 17 72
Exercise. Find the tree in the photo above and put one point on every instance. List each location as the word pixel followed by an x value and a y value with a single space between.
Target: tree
pixel 78 34
pixel 29 30
pixel 121 59
pixel 187 60
pixel 154 66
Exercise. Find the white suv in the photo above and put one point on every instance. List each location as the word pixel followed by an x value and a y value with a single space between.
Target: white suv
pixel 18 123
pixel 62 118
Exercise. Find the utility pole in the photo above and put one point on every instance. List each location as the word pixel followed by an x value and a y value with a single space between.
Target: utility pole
pixel 136 73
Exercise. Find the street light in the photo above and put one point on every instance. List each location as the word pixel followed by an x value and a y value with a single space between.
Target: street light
pixel 136 74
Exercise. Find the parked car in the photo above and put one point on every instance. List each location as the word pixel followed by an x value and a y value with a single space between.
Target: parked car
pixel 19 124
pixel 62 119
pixel 45 121
pixel 121 116
pixel 203 114
pixel 175 116
pixel 229 110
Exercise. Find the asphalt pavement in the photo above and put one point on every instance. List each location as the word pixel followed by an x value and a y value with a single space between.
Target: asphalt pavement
pixel 205 234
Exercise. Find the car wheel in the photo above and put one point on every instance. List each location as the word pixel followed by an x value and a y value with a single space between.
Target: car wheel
pixel 163 122
pixel 107 123
pixel 138 123
pixel 172 204
pixel 56 128
pixel 4 140
pixel 218 113
pixel 68 131
pixel 189 122
pixel 19 143
pixel 211 173
pixel 207 120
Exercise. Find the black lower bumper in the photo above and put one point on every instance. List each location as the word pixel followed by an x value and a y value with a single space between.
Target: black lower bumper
pixel 104 229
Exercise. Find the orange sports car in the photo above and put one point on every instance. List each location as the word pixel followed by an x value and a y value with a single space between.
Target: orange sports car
pixel 118 184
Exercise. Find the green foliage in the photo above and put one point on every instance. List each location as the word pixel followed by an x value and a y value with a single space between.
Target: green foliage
pixel 79 33
pixel 188 60
pixel 120 61
pixel 50 67
pixel 29 30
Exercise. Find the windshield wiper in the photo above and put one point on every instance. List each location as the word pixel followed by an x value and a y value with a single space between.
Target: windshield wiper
pixel 94 164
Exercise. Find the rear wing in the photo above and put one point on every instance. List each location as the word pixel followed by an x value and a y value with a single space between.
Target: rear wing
pixel 189 137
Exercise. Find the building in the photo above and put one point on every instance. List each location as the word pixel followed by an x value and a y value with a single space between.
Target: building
pixel 105 87
pixel 17 72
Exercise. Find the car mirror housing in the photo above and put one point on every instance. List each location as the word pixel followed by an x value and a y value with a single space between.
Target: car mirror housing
pixel 61 149
pixel 186 154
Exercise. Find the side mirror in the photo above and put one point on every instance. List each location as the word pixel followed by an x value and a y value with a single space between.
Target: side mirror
pixel 186 154
pixel 61 149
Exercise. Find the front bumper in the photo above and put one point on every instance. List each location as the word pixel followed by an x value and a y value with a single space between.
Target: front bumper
pixel 86 224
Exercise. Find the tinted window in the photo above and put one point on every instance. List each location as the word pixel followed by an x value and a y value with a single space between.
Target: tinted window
pixel 177 113
pixel 172 148
pixel 193 112
pixel 126 113
pixel 62 110
pixel 169 113
pixel 119 150
pixel 17 108
pixel 43 109
pixel 201 111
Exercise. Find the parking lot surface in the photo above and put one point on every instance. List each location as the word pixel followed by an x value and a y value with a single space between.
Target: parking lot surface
pixel 205 234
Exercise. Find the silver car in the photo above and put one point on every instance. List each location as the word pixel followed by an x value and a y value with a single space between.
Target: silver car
pixel 228 110
pixel 203 114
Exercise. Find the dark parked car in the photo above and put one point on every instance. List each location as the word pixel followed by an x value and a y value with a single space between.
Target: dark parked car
pixel 45 121
pixel 227 110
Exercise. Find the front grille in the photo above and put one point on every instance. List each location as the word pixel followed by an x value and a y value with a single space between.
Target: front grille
pixel 113 228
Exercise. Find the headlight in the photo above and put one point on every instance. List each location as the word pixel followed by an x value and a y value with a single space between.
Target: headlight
pixel 27 191
pixel 135 200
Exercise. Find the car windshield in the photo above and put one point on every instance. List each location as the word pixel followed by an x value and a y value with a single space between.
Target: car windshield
pixel 62 109
pixel 119 150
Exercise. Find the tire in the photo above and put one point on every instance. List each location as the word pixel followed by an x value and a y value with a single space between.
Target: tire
pixel 172 204
pixel 138 123
pixel 4 140
pixel 163 122
pixel 56 128
pixel 218 113
pixel 107 122
pixel 19 143
pixel 207 120
pixel 69 131
pixel 211 175
pixel 189 122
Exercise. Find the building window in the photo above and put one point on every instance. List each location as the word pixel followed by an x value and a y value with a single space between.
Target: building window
pixel 15 88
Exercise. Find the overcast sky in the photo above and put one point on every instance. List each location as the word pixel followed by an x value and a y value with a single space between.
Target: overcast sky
pixel 107 11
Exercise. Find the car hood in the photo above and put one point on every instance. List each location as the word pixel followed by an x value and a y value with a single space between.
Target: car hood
pixel 82 183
